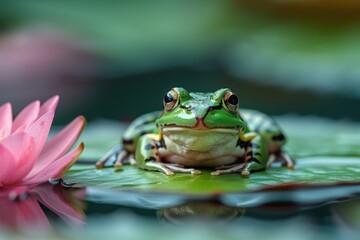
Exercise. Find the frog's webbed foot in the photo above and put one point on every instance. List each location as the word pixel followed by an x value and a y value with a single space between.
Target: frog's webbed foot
pixel 226 169
pixel 282 157
pixel 148 157
pixel 116 157
pixel 131 159
pixel 181 169
pixel 288 161
pixel 168 168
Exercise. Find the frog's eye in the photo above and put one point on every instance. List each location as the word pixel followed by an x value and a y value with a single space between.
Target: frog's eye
pixel 231 102
pixel 171 100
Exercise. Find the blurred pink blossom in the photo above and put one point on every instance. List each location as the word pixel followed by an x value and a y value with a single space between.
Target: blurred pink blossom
pixel 37 62
pixel 26 157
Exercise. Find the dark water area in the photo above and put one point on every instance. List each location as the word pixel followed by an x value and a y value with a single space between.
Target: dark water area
pixel 87 213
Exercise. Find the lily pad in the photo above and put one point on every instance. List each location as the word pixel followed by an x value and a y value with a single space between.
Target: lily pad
pixel 309 171
pixel 315 136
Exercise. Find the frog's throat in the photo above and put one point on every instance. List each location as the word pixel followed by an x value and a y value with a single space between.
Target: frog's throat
pixel 201 140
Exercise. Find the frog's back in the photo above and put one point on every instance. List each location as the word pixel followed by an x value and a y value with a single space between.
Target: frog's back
pixel 140 126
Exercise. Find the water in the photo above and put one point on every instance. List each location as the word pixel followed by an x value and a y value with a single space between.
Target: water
pixel 57 211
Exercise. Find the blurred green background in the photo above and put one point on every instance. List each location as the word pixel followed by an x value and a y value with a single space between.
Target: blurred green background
pixel 116 59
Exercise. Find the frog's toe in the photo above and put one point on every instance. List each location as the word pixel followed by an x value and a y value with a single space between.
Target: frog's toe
pixel 216 173
pixel 168 168
pixel 233 169
pixel 120 159
pixel 132 160
pixel 178 169
pixel 99 165
pixel 157 166
pixel 282 158
pixel 288 161
pixel 196 172
pixel 107 161
pixel 118 165
pixel 245 173
pixel 271 160
pixel 169 173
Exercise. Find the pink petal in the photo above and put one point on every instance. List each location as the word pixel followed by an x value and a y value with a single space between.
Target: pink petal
pixel 27 155
pixel 50 104
pixel 26 117
pixel 61 142
pixel 61 202
pixel 7 162
pixel 56 169
pixel 5 120
pixel 18 145
pixel 30 215
pixel 7 217
pixel 22 215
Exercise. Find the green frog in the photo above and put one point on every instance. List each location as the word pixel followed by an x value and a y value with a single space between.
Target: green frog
pixel 200 130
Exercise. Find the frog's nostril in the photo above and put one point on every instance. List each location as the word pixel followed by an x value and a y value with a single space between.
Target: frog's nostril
pixel 200 123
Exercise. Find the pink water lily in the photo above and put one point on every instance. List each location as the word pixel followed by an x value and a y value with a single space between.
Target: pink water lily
pixel 26 157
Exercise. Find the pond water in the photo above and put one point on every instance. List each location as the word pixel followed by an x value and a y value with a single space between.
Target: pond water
pixel 57 211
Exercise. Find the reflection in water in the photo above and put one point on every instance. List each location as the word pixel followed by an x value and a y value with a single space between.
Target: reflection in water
pixel 347 214
pixel 25 212
pixel 213 212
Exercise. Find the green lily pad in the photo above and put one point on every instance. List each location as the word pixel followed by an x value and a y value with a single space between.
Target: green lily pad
pixel 315 136
pixel 309 171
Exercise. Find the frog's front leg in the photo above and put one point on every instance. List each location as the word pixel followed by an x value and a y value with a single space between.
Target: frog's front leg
pixel 148 158
pixel 256 156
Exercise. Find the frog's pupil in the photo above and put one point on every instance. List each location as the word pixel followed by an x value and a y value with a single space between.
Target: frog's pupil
pixel 233 99
pixel 168 98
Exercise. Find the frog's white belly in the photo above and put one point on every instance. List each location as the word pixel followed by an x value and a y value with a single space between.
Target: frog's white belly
pixel 201 148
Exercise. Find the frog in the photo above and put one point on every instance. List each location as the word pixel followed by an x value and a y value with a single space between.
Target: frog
pixel 196 131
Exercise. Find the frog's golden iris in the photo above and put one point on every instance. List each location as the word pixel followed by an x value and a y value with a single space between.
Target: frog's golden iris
pixel 201 130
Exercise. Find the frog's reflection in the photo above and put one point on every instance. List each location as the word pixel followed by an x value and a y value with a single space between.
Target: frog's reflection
pixel 26 212
pixel 210 212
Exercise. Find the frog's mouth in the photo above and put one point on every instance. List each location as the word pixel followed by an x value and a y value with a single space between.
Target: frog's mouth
pixel 200 140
